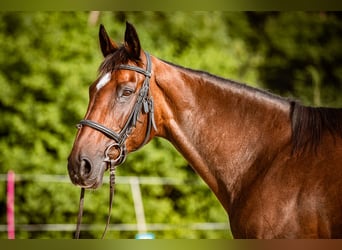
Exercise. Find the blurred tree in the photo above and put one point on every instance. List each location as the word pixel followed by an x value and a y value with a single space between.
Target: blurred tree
pixel 302 54
pixel 44 72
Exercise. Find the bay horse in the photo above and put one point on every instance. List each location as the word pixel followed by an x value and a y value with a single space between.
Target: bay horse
pixel 275 165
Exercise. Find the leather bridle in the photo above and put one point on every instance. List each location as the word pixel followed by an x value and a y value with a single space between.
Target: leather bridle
pixel 144 103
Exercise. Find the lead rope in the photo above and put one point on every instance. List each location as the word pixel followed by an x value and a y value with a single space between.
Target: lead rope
pixel 112 171
pixel 80 213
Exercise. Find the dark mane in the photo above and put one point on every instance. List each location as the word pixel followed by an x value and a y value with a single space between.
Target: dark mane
pixel 310 123
pixel 120 56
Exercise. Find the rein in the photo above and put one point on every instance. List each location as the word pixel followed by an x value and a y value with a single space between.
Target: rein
pixel 144 103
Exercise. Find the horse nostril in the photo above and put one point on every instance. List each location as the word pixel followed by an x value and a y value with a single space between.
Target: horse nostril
pixel 85 168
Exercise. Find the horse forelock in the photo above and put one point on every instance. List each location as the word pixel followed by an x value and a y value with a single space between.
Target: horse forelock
pixel 120 56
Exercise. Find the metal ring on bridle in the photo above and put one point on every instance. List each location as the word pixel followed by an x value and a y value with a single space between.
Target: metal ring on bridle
pixel 120 158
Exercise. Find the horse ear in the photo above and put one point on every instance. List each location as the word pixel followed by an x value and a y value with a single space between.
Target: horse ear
pixel 107 45
pixel 132 43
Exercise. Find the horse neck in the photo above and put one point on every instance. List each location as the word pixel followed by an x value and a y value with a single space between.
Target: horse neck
pixel 222 128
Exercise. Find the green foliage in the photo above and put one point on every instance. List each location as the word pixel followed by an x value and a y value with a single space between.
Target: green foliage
pixel 302 54
pixel 45 68
pixel 48 60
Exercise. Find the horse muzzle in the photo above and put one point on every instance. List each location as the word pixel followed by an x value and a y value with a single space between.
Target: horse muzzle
pixel 85 172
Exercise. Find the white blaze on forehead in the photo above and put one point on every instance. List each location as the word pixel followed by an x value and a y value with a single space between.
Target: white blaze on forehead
pixel 103 81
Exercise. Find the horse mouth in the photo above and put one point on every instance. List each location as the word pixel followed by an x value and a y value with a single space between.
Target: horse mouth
pixel 92 183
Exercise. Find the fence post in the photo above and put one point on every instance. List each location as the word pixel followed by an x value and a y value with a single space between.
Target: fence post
pixel 10 205
pixel 139 210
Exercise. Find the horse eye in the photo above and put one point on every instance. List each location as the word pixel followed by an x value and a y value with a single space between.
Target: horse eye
pixel 127 92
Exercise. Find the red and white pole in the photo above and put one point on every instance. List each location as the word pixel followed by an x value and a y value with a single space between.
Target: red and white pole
pixel 10 205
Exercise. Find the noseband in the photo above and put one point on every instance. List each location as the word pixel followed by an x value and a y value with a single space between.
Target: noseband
pixel 143 103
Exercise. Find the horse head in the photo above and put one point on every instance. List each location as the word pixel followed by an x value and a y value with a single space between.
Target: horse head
pixel 119 118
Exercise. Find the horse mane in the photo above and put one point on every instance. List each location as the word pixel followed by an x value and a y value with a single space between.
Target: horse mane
pixel 310 123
